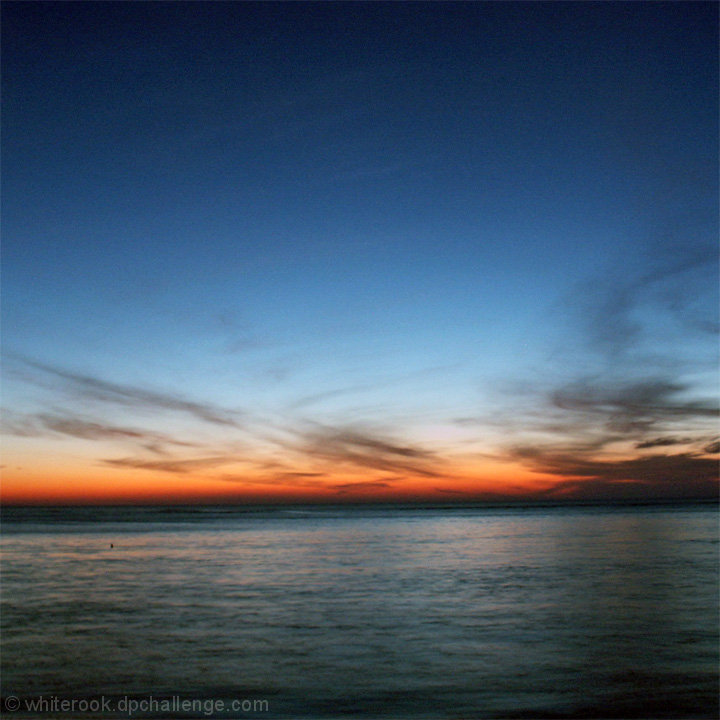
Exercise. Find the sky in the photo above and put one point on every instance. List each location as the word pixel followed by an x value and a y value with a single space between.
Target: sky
pixel 349 252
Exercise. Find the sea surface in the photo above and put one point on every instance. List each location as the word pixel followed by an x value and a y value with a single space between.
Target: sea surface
pixel 360 612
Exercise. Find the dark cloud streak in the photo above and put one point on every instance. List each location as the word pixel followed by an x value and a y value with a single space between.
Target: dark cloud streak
pixel 609 304
pixel 366 449
pixel 352 487
pixel 132 396
pixel 682 475
pixel 48 424
pixel 638 388
pixel 171 466
pixel 662 442
pixel 632 407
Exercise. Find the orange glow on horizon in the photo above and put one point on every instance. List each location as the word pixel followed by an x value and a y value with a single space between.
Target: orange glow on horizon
pixel 57 477
pixel 93 485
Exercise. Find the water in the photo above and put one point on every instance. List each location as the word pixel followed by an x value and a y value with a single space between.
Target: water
pixel 364 612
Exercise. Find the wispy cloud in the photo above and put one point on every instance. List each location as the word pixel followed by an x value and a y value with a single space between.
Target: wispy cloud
pixel 49 425
pixel 632 407
pixel 363 448
pixel 288 478
pixel 88 430
pixel 170 465
pixel 662 442
pixel 88 386
pixel 684 475
pixel 309 455
pixel 353 487
pixel 389 380
pixel 586 419
pixel 315 398
pixel 609 304
pixel 713 448
pixel 20 425
pixel 632 392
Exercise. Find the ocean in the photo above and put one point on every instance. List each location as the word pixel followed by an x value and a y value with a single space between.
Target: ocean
pixel 360 612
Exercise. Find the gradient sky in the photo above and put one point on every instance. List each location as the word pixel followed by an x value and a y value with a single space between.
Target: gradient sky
pixel 341 252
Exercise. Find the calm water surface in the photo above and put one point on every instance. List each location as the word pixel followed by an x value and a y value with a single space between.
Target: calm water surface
pixel 370 613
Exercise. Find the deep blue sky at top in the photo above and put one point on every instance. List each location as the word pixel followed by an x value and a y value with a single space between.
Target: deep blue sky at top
pixel 266 202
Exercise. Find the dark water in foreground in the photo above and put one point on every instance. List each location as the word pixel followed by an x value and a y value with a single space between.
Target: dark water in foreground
pixel 369 613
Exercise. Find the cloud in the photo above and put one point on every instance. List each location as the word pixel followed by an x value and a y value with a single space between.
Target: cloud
pixel 132 396
pixel 365 449
pixel 642 332
pixel 632 407
pixel 294 479
pixel 652 476
pixel 47 425
pixel 20 425
pixel 87 430
pixel 662 442
pixel 171 466
pixel 292 475
pixel 643 390
pixel 610 304
pixel 582 418
pixel 275 478
pixel 390 380
pixel 611 490
pixel 347 488
pixel 651 468
pixel 328 395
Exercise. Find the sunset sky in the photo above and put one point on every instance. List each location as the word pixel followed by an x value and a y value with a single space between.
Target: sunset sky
pixel 359 251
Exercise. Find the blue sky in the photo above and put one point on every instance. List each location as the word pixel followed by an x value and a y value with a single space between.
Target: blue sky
pixel 435 225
